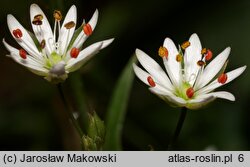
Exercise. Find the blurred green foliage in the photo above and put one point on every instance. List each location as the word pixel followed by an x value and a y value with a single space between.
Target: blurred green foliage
pixel 31 116
pixel 117 108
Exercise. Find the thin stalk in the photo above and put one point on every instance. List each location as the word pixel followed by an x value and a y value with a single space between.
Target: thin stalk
pixel 80 98
pixel 178 128
pixel 69 111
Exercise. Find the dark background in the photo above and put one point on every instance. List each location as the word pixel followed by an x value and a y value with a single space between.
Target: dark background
pixel 30 108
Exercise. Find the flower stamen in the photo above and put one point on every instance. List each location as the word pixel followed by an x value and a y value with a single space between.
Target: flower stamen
pixel 87 29
pixel 17 33
pixel 204 51
pixel 42 44
pixel 74 52
pixel 57 15
pixel 222 78
pixel 201 63
pixel 179 58
pixel 38 16
pixel 190 92
pixel 163 52
pixel 185 45
pixel 37 19
pixel 70 25
pixel 151 81
pixel 208 55
pixel 23 53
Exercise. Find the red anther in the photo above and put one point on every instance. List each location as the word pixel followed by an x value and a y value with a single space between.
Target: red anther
pixel 23 53
pixel 17 33
pixel 74 52
pixel 151 81
pixel 87 29
pixel 190 92
pixel 208 55
pixel 222 78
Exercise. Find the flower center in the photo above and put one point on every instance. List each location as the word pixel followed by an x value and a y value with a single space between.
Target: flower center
pixel 53 59
pixel 186 91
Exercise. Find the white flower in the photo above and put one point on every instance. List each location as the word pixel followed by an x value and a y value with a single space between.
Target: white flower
pixel 189 81
pixel 53 54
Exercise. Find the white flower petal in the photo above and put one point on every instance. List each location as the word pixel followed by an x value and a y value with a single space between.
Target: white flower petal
pixel 29 62
pixel 215 84
pixel 158 89
pixel 204 99
pixel 15 52
pixel 107 42
pixel 65 35
pixel 213 68
pixel 42 32
pixel 82 37
pixel 154 69
pixel 26 41
pixel 223 95
pixel 31 65
pixel 84 56
pixel 141 74
pixel 172 66
pixel 199 102
pixel 168 97
pixel 191 57
pixel 93 20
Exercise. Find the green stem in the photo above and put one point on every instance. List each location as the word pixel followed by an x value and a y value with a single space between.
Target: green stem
pixel 80 98
pixel 178 128
pixel 69 111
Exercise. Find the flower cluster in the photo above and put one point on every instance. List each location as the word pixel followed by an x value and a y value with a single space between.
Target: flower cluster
pixel 53 54
pixel 191 74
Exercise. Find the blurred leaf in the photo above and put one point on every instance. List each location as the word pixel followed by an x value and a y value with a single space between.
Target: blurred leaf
pixel 117 108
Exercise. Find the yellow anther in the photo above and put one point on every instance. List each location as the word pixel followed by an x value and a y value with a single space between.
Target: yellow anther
pixel 163 52
pixel 179 58
pixel 70 25
pixel 57 15
pixel 204 51
pixel 185 44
